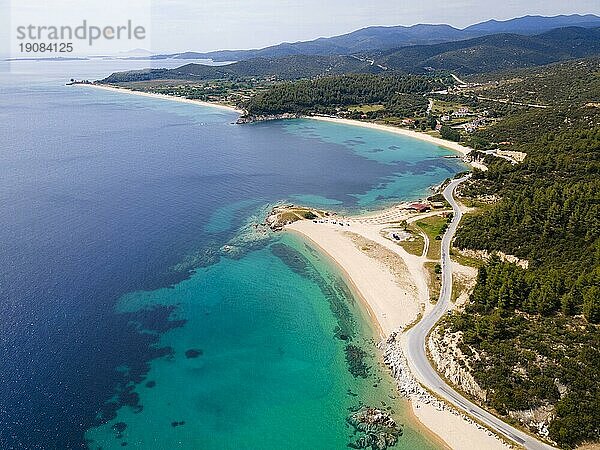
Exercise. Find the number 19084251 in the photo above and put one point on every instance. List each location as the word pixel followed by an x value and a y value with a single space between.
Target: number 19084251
pixel 43 47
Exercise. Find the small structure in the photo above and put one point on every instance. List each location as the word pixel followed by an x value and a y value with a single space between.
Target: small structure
pixel 419 207
pixel 462 112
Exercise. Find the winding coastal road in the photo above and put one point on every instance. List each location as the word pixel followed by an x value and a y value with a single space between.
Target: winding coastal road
pixel 417 336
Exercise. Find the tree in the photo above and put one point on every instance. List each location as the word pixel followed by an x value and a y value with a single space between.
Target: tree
pixel 568 303
pixel 591 304
pixel 432 122
pixel 450 133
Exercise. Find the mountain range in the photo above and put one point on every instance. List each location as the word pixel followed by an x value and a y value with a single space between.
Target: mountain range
pixel 477 55
pixel 386 38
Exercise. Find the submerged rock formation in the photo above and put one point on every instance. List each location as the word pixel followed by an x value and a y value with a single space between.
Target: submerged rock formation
pixel 355 357
pixel 379 430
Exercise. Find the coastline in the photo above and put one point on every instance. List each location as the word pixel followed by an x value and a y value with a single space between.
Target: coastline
pixel 401 131
pixel 124 90
pixel 376 290
pixel 455 146
pixel 391 299
pixel 355 291
pixel 377 328
pixel 393 304
pixel 409 408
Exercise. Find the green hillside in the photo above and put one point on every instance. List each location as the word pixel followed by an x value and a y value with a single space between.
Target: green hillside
pixel 286 68
pixel 536 331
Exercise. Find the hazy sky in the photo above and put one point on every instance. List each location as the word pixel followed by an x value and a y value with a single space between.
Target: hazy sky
pixel 215 24
pixel 203 25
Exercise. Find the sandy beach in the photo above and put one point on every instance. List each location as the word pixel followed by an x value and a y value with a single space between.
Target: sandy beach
pixel 455 146
pixel 391 295
pixel 392 285
pixel 401 131
pixel 161 96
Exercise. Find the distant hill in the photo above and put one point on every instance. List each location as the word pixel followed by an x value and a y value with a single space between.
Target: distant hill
pixel 478 55
pixel 495 52
pixel 364 40
pixel 385 38
pixel 530 25
pixel 285 68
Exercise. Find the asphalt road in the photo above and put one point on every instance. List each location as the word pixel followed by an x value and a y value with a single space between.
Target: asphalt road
pixel 416 337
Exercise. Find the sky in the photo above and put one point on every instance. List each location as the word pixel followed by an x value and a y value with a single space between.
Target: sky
pixel 205 25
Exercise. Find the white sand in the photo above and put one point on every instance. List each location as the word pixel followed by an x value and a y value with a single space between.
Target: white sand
pixel 162 96
pixel 393 299
pixel 457 433
pixel 388 128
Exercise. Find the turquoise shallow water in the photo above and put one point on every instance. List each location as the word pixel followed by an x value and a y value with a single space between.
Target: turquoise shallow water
pixel 259 363
pixel 417 165
pixel 268 374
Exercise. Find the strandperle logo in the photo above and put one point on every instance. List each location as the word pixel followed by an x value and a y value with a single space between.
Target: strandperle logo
pixel 84 32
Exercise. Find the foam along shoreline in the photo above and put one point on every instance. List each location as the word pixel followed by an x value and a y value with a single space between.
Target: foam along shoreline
pixel 455 146
pixel 173 98
pixel 392 286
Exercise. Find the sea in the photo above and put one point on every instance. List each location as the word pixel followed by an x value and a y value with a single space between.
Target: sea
pixel 142 303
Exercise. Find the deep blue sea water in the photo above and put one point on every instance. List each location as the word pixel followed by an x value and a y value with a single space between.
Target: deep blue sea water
pixel 126 320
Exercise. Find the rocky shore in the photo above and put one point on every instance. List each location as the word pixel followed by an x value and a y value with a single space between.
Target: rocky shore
pixel 282 215
pixel 266 118
pixel 409 387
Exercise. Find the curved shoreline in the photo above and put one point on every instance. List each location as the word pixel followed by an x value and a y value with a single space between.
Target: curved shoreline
pixel 392 309
pixel 454 146
pixel 347 278
pixel 376 314
pixel 124 90
pixel 401 131
pixel 374 322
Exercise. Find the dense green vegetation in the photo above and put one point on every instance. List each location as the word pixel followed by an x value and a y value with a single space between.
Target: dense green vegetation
pixel 401 95
pixel 534 333
pixel 232 92
pixel 564 83
pixel 283 68
pixel 450 134
pixel 536 330
pixel 495 52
